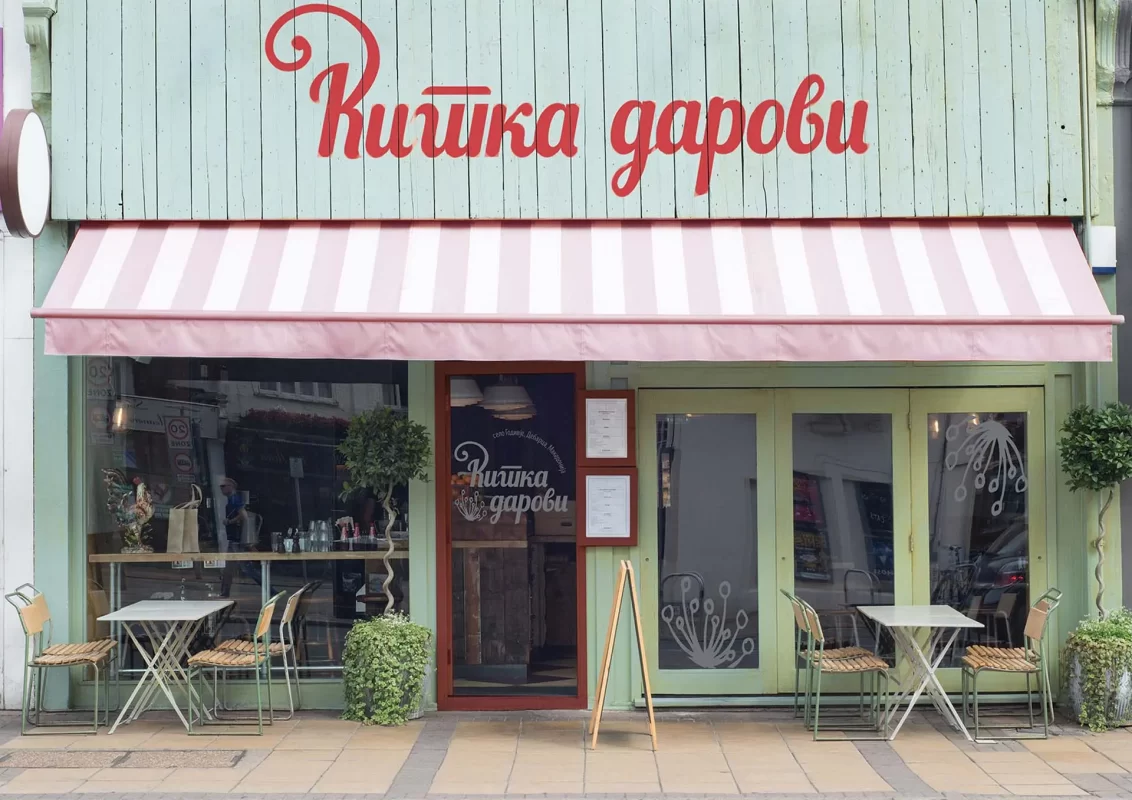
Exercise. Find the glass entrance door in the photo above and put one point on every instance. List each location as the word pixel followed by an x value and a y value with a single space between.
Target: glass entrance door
pixel 975 455
pixel 707 543
pixel 843 512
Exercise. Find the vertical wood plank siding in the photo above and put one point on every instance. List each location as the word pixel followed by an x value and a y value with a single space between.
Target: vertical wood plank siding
pixel 170 110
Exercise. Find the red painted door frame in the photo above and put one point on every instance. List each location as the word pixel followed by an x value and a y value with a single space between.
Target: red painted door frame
pixel 446 700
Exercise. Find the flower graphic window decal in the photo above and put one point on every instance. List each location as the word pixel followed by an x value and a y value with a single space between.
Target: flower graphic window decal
pixel 992 458
pixel 708 643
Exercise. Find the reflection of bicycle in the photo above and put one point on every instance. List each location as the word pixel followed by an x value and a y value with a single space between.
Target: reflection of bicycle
pixel 953 585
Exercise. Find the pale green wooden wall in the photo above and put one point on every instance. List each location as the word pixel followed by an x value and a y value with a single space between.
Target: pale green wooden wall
pixel 169 110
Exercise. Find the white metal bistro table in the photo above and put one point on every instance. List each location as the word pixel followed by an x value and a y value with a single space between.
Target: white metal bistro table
pixel 170 626
pixel 908 625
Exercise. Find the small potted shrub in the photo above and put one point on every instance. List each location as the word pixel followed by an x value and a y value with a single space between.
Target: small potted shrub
pixel 1096 454
pixel 1098 669
pixel 384 663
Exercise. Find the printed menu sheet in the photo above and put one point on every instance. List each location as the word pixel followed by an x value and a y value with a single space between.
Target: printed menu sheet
pixel 607 427
pixel 607 507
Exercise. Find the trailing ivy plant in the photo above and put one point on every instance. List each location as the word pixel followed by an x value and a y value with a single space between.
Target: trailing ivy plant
pixel 1102 649
pixel 384 665
pixel 1096 454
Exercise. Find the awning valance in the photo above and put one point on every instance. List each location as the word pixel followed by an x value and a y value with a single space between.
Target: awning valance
pixel 640 291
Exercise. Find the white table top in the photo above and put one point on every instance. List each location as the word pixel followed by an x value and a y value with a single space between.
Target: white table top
pixel 166 611
pixel 919 617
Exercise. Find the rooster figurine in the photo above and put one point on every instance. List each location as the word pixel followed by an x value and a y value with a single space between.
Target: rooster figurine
pixel 131 507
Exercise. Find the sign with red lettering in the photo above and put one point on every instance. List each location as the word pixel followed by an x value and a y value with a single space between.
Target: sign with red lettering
pixel 638 128
pixel 178 433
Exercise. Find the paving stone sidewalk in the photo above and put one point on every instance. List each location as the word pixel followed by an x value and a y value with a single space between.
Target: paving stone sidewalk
pixel 766 755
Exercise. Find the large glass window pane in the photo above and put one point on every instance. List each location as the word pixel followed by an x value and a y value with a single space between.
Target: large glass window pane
pixel 843 521
pixel 514 545
pixel 266 464
pixel 707 541
pixel 978 522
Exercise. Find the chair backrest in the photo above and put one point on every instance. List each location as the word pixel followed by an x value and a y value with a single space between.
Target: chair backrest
pixel 98 602
pixel 1039 615
pixel 35 615
pixel 813 623
pixel 292 606
pixel 974 604
pixel 799 616
pixel 263 626
pixel 1050 600
pixel 1006 603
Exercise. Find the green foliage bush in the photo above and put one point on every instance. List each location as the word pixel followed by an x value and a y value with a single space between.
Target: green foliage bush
pixel 384 664
pixel 1103 650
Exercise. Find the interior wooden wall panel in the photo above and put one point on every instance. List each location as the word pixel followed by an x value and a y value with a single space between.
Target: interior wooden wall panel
pixel 171 111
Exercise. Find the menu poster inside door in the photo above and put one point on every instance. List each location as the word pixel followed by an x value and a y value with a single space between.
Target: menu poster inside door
pixel 470 123
pixel 811 538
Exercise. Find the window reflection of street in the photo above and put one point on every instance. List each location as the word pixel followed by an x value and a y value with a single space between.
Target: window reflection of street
pixel 707 541
pixel 843 522
pixel 272 427
pixel 979 521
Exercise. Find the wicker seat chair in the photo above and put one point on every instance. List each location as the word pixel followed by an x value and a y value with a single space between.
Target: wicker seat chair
pixel 838 663
pixel 1030 660
pixel 40 655
pixel 801 645
pixel 257 661
pixel 283 648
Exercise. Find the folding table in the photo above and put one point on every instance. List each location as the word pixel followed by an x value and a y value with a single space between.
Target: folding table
pixel 939 626
pixel 170 626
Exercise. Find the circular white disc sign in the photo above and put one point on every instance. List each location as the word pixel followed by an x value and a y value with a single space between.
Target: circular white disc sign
pixel 25 173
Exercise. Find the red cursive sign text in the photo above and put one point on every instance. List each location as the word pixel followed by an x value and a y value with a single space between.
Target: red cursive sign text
pixel 467 129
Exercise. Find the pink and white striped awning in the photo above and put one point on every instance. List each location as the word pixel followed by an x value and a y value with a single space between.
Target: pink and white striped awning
pixel 649 291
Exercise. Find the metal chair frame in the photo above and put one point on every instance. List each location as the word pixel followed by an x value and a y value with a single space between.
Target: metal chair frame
pixel 801 631
pixel 35 618
pixel 289 645
pixel 1035 651
pixel 875 720
pixel 260 667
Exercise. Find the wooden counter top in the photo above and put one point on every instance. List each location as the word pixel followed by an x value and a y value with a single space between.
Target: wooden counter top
pixel 169 558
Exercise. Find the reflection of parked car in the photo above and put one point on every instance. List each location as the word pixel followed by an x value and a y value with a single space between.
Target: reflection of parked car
pixel 1005 564
pixel 1000 584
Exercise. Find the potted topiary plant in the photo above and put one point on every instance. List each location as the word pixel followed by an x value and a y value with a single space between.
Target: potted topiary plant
pixel 384 449
pixel 1096 454
pixel 385 662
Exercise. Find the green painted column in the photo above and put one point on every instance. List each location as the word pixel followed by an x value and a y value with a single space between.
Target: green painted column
pixel 57 574
pixel 422 512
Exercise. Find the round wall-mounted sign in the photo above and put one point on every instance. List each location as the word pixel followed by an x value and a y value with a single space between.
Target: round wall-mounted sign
pixel 25 173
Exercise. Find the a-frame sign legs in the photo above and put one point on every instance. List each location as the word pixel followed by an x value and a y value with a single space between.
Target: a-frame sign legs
pixel 624 576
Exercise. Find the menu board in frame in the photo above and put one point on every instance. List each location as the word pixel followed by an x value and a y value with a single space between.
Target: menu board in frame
pixel 607 506
pixel 607 428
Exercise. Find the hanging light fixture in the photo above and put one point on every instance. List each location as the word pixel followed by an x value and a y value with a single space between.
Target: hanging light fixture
pixel 517 415
pixel 507 395
pixel 464 392
pixel 118 421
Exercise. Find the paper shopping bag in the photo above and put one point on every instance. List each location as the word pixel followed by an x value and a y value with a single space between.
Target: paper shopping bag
pixel 184 535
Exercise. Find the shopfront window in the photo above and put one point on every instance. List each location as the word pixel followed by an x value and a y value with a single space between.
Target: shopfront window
pixel 843 521
pixel 979 522
pixel 707 541
pixel 258 440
